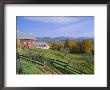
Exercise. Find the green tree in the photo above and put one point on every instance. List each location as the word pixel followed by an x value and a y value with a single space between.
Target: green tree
pixel 66 43
pixel 18 44
pixel 56 45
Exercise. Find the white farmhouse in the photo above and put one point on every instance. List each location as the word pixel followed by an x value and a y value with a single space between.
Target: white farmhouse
pixel 42 45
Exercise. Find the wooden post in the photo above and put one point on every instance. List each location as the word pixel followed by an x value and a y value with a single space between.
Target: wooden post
pixel 44 64
pixel 65 66
pixel 17 55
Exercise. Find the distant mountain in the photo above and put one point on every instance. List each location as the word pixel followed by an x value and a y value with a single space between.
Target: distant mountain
pixel 47 39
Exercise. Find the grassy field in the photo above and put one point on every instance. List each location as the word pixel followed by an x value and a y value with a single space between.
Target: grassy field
pixel 84 62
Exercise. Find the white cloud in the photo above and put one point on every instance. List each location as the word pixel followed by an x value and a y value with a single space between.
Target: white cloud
pixel 71 26
pixel 73 30
pixel 54 19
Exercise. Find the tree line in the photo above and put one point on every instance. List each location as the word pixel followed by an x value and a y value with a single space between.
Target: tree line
pixel 74 46
pixel 70 46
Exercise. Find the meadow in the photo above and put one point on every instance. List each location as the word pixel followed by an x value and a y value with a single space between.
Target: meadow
pixel 48 61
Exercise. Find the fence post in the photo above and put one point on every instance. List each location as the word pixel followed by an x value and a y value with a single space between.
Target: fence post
pixel 44 64
pixel 17 55
pixel 65 66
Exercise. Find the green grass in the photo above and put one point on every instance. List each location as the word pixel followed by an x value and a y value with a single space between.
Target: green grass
pixel 27 67
pixel 83 62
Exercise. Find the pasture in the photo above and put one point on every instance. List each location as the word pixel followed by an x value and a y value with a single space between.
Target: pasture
pixel 41 61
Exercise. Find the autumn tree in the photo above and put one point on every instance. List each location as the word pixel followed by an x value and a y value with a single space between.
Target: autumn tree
pixel 74 46
pixel 77 49
pixel 87 46
pixel 71 45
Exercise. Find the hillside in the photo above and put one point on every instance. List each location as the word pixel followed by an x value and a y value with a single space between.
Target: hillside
pixel 47 39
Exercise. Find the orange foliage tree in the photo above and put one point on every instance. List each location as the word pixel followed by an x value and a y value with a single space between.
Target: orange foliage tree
pixel 87 46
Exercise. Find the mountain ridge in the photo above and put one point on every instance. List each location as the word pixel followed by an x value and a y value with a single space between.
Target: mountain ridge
pixel 61 38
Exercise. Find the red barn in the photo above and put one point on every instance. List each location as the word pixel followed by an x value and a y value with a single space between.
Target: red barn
pixel 27 43
pixel 27 40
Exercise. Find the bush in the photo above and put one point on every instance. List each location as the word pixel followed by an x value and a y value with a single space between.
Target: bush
pixel 56 46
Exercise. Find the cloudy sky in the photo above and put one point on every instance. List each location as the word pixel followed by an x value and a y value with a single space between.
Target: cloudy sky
pixel 56 26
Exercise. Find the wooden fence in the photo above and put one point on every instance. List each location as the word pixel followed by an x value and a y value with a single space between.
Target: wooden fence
pixel 63 67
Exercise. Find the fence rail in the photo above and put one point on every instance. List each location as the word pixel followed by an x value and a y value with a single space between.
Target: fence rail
pixel 64 67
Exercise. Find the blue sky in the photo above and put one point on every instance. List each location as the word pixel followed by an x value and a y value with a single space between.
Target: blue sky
pixel 56 26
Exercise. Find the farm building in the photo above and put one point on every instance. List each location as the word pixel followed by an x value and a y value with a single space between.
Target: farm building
pixel 42 45
pixel 27 40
